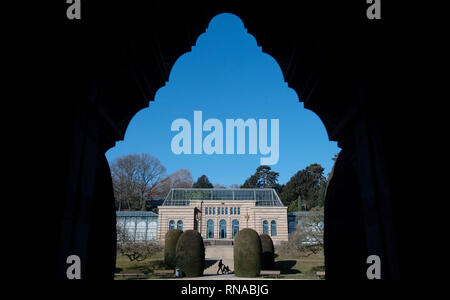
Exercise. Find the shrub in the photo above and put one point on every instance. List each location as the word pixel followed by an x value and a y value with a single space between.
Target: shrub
pixel 308 237
pixel 190 254
pixel 171 240
pixel 247 253
pixel 268 252
pixel 138 251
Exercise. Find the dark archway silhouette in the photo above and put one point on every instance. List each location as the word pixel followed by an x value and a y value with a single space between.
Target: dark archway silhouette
pixel 125 54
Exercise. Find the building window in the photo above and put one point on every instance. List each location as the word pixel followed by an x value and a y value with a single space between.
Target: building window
pixel 239 210
pixel 218 210
pixel 206 210
pixel 141 231
pixel 210 229
pixel 231 210
pixel 273 228
pixel 265 227
pixel 214 211
pixel 235 227
pixel 171 224
pixel 223 229
pixel 235 210
pixel 226 210
pixel 223 211
pixel 180 225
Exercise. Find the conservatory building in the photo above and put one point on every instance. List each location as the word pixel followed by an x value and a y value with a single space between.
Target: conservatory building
pixel 140 225
pixel 218 214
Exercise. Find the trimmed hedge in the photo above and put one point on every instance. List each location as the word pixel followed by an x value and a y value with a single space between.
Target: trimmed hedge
pixel 171 240
pixel 247 253
pixel 190 254
pixel 268 252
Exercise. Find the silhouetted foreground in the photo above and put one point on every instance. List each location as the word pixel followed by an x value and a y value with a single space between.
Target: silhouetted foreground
pixel 342 65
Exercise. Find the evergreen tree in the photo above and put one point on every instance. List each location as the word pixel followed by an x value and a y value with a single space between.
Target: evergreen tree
pixel 264 177
pixel 296 205
pixel 309 184
pixel 202 183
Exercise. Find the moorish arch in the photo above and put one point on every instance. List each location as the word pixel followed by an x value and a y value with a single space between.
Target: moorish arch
pixel 322 51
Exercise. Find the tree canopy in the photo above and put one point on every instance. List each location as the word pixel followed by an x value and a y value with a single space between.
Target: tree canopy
pixel 306 189
pixel 178 179
pixel 133 176
pixel 202 183
pixel 264 177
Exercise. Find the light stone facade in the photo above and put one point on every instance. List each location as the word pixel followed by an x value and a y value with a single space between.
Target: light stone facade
pixel 196 214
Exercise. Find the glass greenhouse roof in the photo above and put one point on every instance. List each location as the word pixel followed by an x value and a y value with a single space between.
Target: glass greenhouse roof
pixel 135 214
pixel 182 197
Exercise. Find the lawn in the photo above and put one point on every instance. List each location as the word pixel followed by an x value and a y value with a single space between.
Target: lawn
pixel 290 267
pixel 300 267
pixel 147 266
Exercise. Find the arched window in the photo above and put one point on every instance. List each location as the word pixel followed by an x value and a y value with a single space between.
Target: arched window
pixel 130 228
pixel 141 231
pixel 235 224
pixel 273 228
pixel 210 229
pixel 265 227
pixel 180 225
pixel 171 224
pixel 223 229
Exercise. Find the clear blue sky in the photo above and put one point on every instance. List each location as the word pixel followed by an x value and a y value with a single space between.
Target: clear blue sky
pixel 227 76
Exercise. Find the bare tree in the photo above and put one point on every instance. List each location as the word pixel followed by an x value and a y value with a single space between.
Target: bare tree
pixel 123 235
pixel 133 175
pixel 123 174
pixel 139 251
pixel 308 237
pixel 309 234
pixel 179 179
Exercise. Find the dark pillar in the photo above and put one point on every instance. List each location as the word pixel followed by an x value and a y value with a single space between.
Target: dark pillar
pixel 101 254
pixel 375 192
pixel 344 234
pixel 87 224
